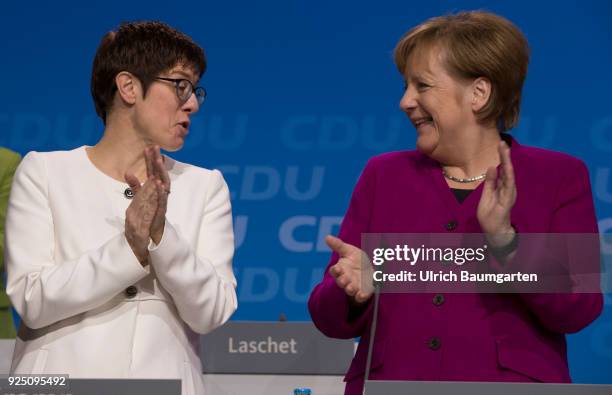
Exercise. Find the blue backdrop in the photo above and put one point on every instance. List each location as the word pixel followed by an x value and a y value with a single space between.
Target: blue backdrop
pixel 301 94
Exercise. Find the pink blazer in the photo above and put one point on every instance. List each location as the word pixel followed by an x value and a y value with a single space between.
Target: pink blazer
pixel 465 337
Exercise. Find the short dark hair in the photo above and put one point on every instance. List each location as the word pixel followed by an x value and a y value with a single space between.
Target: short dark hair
pixel 144 49
pixel 477 44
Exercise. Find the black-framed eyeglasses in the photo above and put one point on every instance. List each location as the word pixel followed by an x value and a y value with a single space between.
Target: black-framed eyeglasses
pixel 184 89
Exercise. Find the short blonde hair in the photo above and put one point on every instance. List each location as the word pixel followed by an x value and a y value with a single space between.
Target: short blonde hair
pixel 476 44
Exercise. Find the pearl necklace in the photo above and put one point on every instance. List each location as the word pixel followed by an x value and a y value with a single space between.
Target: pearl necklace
pixel 464 180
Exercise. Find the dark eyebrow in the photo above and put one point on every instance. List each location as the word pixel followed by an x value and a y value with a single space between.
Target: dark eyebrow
pixel 184 74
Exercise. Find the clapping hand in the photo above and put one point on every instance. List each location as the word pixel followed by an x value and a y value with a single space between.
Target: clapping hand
pixel 353 271
pixel 157 171
pixel 145 217
pixel 139 216
pixel 497 199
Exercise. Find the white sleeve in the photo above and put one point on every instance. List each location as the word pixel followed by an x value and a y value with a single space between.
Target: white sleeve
pixel 42 290
pixel 200 278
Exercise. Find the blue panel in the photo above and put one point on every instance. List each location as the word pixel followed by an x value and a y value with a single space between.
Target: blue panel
pixel 301 94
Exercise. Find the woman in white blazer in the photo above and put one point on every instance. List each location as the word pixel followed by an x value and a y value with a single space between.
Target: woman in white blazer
pixel 119 257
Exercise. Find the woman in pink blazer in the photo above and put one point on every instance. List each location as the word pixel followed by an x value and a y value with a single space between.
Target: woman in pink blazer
pixel 463 74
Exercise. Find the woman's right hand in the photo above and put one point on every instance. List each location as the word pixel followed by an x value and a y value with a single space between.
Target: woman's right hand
pixel 353 271
pixel 139 216
pixel 158 172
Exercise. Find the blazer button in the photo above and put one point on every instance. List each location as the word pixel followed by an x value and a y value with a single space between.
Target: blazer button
pixel 131 291
pixel 434 343
pixel 128 193
pixel 438 300
pixel 451 225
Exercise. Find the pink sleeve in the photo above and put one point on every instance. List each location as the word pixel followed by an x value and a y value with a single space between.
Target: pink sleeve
pixel 328 304
pixel 574 213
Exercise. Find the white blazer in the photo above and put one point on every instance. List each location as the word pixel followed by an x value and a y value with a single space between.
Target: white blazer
pixel 90 309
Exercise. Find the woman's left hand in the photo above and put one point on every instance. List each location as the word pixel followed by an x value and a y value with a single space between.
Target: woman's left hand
pixel 157 170
pixel 497 200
